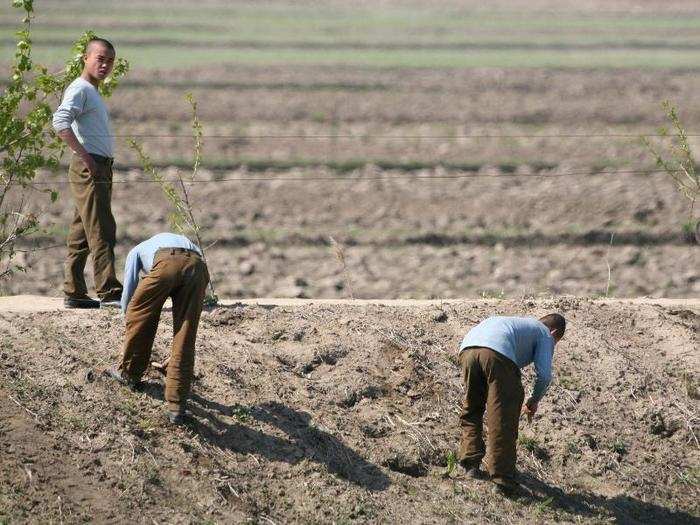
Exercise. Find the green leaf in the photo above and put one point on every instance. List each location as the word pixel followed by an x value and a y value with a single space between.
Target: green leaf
pixel 28 142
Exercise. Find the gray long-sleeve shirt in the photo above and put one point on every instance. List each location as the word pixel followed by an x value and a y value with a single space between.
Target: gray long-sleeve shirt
pixel 141 257
pixel 84 111
pixel 523 340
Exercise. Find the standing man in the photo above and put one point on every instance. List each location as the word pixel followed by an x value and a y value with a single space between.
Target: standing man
pixel 82 122
pixel 491 356
pixel 174 268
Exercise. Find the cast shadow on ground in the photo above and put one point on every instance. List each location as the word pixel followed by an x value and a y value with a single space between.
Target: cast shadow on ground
pixel 624 509
pixel 304 440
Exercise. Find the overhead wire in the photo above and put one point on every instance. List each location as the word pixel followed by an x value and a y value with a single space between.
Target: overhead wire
pixel 358 178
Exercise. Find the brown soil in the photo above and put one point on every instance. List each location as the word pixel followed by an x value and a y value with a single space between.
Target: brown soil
pixel 485 234
pixel 346 412
pixel 382 114
pixel 246 94
pixel 524 216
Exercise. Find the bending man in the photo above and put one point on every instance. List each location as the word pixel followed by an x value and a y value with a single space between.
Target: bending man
pixel 491 356
pixel 174 268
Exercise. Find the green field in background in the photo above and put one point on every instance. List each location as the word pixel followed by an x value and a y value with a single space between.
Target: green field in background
pixel 185 35
pixel 387 37
pixel 164 57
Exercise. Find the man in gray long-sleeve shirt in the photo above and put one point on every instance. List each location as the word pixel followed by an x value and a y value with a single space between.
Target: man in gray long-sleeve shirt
pixel 491 356
pixel 173 267
pixel 82 121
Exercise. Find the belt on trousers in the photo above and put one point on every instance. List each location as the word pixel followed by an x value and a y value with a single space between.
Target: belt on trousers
pixel 102 160
pixel 173 251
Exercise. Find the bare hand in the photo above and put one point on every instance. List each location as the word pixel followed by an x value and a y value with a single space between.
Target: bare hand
pixel 161 367
pixel 529 409
pixel 90 164
pixel 74 144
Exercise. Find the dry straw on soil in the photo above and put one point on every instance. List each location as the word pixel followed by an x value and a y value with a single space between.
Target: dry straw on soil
pixel 320 413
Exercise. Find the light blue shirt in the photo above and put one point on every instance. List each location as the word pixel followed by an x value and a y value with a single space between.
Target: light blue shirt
pixel 141 257
pixel 523 340
pixel 84 111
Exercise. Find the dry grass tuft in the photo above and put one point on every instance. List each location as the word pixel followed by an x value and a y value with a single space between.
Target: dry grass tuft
pixel 339 253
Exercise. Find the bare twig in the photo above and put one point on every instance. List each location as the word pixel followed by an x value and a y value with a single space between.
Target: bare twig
pixel 607 262
pixel 688 423
pixel 29 473
pixel 60 508
pixel 194 226
pixel 211 244
pixel 150 454
pixel 340 255
pixel 183 217
pixel 34 414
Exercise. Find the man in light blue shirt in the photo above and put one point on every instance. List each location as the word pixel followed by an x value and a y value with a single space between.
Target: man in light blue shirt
pixel 82 122
pixel 491 356
pixel 140 259
pixel 173 267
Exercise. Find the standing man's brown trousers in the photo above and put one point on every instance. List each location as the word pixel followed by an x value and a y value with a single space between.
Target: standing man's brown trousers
pixel 493 384
pixel 181 275
pixel 93 230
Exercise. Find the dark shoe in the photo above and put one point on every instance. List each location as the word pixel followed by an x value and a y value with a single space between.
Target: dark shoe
pixel 476 473
pixel 80 302
pixel 115 374
pixel 177 417
pixel 110 303
pixel 473 470
pixel 506 487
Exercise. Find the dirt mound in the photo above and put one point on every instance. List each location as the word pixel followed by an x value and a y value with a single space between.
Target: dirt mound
pixel 346 412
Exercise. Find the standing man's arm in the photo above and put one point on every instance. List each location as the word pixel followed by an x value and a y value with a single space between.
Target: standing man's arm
pixel 71 107
pixel 132 267
pixel 543 355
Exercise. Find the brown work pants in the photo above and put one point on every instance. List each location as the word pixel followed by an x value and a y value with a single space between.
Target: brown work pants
pixel 492 383
pixel 93 230
pixel 181 275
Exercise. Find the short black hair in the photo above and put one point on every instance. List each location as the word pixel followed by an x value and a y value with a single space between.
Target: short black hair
pixel 102 41
pixel 554 322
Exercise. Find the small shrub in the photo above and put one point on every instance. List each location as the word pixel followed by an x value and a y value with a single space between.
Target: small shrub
pixel 676 159
pixel 339 253
pixel 533 446
pixel 543 505
pixel 573 448
pixel 568 382
pixel 240 413
pixel 493 294
pixel 528 443
pixel 691 387
pixel 451 460
pixel 690 477
pixel 182 217
pixel 619 447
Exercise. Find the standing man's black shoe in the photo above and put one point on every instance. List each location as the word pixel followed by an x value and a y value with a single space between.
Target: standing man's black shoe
pixel 473 471
pixel 177 416
pixel 80 302
pixel 506 488
pixel 476 473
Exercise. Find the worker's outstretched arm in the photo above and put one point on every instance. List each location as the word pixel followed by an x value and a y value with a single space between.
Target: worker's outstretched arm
pixel 132 267
pixel 544 352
